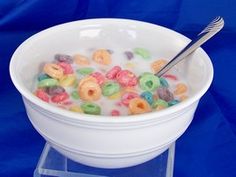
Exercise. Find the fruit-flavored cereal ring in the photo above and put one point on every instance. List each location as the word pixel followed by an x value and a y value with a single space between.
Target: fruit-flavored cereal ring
pixel 53 70
pixel 85 79
pixel 85 71
pixel 126 78
pixel 147 96
pixel 157 65
pixel 54 90
pixel 43 76
pixel 110 88
pixel 129 55
pixel 81 60
pixel 170 76
pixel 60 97
pixel 115 96
pixel 180 88
pixel 144 53
pixel 111 74
pixel 102 56
pixel 68 80
pixel 90 91
pixel 75 108
pixel 164 82
pixel 99 77
pixel 149 82
pixel 173 102
pixel 63 58
pixel 91 108
pixel 138 106
pixel 75 95
pixel 67 69
pixel 183 97
pixel 165 94
pixel 125 99
pixel 40 93
pixel 115 112
pixel 159 103
pixel 48 83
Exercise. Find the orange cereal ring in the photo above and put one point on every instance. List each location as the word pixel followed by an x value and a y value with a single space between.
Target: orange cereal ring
pixel 85 79
pixel 102 56
pixel 183 97
pixel 138 106
pixel 157 65
pixel 81 60
pixel 53 70
pixel 180 88
pixel 90 91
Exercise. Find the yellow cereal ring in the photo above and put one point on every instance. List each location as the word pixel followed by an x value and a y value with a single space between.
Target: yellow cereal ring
pixel 180 88
pixel 129 89
pixel 102 56
pixel 115 96
pixel 85 79
pixel 68 80
pixel 75 108
pixel 53 70
pixel 138 106
pixel 81 60
pixel 90 91
pixel 157 65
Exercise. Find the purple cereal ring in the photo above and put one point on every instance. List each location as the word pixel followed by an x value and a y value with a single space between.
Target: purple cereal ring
pixel 63 58
pixel 129 55
pixel 165 94
pixel 54 90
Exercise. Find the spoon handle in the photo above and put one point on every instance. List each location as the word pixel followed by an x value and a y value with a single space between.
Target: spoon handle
pixel 212 28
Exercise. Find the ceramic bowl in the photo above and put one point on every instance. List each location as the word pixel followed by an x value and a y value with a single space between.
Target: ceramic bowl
pixel 102 141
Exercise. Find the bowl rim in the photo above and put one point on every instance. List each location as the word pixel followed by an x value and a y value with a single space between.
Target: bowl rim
pixel 77 117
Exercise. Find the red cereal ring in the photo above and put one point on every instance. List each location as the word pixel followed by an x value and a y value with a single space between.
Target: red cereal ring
pixel 111 74
pixel 115 112
pixel 67 69
pixel 60 97
pixel 40 93
pixel 170 76
pixel 99 77
pixel 125 99
pixel 126 78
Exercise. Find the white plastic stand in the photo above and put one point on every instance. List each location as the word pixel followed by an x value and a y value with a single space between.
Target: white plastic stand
pixel 52 163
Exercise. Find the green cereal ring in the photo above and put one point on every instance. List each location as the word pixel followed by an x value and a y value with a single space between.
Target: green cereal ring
pixel 75 95
pixel 47 83
pixel 85 71
pixel 110 88
pixel 149 82
pixel 159 102
pixel 144 53
pixel 91 108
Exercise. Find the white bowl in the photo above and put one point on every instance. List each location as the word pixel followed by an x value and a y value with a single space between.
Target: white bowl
pixel 102 141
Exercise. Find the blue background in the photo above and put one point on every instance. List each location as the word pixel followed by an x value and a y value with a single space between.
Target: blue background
pixel 207 149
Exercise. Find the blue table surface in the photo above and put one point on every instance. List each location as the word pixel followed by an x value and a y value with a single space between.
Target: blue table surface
pixel 207 148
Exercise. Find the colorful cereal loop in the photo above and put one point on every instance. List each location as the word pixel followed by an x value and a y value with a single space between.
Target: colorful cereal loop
pixel 91 108
pixel 90 91
pixel 47 83
pixel 81 60
pixel 138 106
pixel 102 56
pixel 149 82
pixel 76 108
pixel 53 70
pixel 40 93
pixel 180 89
pixel 144 53
pixel 157 65
pixel 68 80
pixel 110 88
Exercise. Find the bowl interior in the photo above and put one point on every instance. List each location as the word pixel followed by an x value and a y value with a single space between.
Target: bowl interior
pixel 111 34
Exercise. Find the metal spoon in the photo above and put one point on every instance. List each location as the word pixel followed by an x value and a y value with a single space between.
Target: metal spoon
pixel 212 28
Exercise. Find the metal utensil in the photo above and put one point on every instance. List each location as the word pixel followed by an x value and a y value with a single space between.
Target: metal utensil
pixel 212 28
